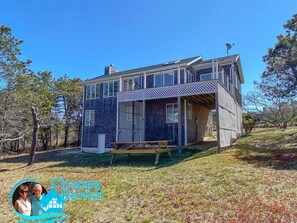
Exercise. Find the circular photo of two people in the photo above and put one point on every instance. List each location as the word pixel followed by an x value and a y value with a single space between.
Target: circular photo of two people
pixel 26 197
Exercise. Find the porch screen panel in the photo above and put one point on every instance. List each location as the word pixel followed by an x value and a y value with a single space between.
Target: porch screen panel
pixel 130 121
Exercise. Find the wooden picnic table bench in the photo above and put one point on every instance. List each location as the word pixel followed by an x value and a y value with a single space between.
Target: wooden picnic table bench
pixel 140 147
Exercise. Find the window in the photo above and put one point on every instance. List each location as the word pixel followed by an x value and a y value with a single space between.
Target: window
pixel 171 113
pixel 110 89
pixel 182 76
pixel 115 87
pixel 158 81
pixel 134 83
pixel 168 78
pixel 129 84
pixel 190 77
pixel 137 83
pixel 92 91
pixel 129 113
pixel 164 79
pixel 189 111
pixel 205 77
pixel 89 117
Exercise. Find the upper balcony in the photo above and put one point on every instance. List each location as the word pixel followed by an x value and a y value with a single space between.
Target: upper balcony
pixel 185 81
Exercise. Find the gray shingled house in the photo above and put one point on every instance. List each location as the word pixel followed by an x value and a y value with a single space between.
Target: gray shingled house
pixel 168 101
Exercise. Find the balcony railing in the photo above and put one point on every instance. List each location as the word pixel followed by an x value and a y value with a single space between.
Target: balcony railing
pixel 136 88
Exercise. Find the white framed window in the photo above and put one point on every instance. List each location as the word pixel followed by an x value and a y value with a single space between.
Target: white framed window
pixel 129 113
pixel 137 83
pixel 89 117
pixel 92 91
pixel 110 89
pixel 205 77
pixel 164 79
pixel 168 79
pixel 189 111
pixel 158 80
pixel 172 113
pixel 190 77
pixel 133 83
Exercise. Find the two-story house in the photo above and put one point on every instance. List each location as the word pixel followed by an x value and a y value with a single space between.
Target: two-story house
pixel 168 101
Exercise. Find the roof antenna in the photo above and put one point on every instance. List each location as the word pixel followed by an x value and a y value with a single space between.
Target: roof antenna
pixel 228 47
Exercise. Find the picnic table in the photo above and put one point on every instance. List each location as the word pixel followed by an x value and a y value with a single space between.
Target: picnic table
pixel 140 147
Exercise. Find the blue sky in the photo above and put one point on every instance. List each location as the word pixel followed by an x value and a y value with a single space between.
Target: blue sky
pixel 79 38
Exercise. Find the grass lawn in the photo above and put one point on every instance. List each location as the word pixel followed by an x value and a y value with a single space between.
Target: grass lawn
pixel 254 181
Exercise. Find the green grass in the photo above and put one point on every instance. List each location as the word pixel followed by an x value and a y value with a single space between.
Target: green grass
pixel 254 181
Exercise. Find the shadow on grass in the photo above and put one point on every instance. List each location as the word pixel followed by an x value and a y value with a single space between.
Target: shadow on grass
pixel 75 158
pixel 268 155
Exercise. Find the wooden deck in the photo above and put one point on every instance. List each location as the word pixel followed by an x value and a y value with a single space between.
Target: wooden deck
pixel 141 147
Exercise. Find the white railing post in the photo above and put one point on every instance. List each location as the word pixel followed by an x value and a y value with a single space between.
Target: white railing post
pixel 213 69
pixel 217 69
pixel 121 82
pixel 144 81
pixel 178 75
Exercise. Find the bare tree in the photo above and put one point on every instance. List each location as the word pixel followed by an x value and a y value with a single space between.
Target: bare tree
pixel 277 111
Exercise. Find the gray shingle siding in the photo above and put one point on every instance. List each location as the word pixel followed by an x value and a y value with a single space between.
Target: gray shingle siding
pixel 105 121
pixel 156 127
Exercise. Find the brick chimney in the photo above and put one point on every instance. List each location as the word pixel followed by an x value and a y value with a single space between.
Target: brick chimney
pixel 110 69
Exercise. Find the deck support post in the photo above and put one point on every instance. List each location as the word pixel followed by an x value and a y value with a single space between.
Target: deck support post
pixel 118 119
pixel 179 124
pixel 112 158
pixel 133 127
pixel 143 120
pixel 218 124
pixel 157 158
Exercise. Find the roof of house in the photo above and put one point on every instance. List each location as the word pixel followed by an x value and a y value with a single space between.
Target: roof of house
pixel 50 195
pixel 171 64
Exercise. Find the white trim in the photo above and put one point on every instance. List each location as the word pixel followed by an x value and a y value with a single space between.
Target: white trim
pixel 82 120
pixel 212 69
pixel 193 61
pixel 117 125
pixel 102 79
pixel 121 82
pixel 186 122
pixel 144 81
pixel 217 70
pixel 178 75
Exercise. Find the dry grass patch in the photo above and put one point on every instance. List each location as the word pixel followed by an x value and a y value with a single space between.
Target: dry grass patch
pixel 254 181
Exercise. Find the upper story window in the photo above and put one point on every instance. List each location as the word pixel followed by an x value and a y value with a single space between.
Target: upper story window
pixel 92 91
pixel 206 77
pixel 164 79
pixel 110 89
pixel 190 77
pixel 133 83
